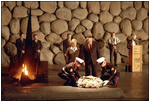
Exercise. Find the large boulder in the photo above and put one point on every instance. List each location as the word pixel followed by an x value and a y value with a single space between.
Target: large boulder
pixel 115 8
pixel 6 16
pixel 129 13
pixel 146 25
pixel 31 4
pixel 5 33
pixel 136 25
pixel 87 33
pixel 141 14
pixel 61 46
pixel 64 35
pixel 47 17
pixel 36 12
pixel 10 49
pixel 105 5
pixel 122 48
pixel 20 12
pixel 79 37
pixel 54 49
pixel 105 17
pixel 87 23
pixel 122 37
pixel 10 4
pixel 14 25
pixel 24 23
pixel 35 23
pixel 59 59
pixel 73 24
pixel 71 5
pixel 13 38
pixel 60 4
pixel 40 35
pixel 48 6
pixel 83 4
pixel 146 4
pixel 80 29
pixel 137 4
pixel 64 13
pixel 80 13
pixel 59 26
pixel 105 52
pixel 54 38
pixel 111 27
pixel 93 7
pixel 93 17
pixel 107 35
pixel 126 27
pixel 117 19
pixel 141 34
pixel 124 59
pixel 145 45
pixel 4 58
pixel 19 3
pixel 146 58
pixel 3 42
pixel 98 30
pixel 126 4
pixel 46 55
pixel 46 45
pixel 45 27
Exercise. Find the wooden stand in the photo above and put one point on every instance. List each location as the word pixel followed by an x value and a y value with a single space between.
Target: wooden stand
pixel 135 58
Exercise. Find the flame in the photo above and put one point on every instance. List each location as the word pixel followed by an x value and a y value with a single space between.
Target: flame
pixel 24 69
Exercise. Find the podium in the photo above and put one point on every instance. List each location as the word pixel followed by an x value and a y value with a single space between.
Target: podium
pixel 135 58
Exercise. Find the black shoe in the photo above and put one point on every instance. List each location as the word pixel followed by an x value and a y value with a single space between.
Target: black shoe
pixel 115 64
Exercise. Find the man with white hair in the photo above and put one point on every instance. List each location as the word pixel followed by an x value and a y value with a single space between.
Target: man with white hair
pixel 70 72
pixel 108 72
pixel 131 41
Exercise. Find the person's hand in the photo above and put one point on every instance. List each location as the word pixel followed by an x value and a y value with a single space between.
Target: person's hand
pixel 83 63
pixel 22 51
pixel 114 47
pixel 38 51
pixel 105 82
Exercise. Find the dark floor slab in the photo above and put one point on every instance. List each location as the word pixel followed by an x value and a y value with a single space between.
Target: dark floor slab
pixel 60 93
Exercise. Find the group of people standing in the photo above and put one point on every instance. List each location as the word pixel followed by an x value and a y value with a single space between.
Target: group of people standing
pixel 89 52
pixel 87 55
pixel 21 49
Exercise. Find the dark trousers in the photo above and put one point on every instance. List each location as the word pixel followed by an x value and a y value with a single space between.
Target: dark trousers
pixel 20 59
pixel 88 67
pixel 70 79
pixel 113 54
pixel 37 62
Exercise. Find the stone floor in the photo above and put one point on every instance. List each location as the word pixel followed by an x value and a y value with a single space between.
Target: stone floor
pixel 132 86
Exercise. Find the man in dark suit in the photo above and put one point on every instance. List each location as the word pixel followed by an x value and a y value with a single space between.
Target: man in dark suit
pixel 20 44
pixel 90 53
pixel 37 46
pixel 66 43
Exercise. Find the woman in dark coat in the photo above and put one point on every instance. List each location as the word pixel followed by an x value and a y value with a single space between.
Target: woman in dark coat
pixel 72 51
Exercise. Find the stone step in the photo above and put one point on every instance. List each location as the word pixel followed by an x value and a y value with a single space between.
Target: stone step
pixel 60 93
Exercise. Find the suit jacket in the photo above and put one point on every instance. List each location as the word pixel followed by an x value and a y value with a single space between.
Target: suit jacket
pixel 90 56
pixel 36 46
pixel 71 55
pixel 20 45
pixel 66 44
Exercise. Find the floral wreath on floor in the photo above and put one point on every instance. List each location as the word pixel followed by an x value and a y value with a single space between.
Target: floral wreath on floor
pixel 89 82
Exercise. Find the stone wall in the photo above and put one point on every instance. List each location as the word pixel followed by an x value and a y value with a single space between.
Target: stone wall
pixel 52 21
